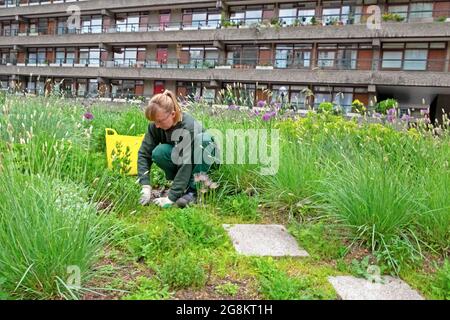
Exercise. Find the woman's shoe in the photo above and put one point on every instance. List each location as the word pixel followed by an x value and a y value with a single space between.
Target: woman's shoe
pixel 187 199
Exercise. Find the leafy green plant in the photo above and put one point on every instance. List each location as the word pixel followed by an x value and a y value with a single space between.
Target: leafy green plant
pixel 392 17
pixel 319 239
pixel 121 159
pixel 358 107
pixel 182 271
pixel 385 105
pixel 149 289
pixel 364 269
pixel 227 289
pixel 241 205
pixel 326 107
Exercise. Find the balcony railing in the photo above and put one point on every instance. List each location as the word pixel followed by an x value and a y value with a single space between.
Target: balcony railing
pixel 16 3
pixel 284 21
pixel 423 65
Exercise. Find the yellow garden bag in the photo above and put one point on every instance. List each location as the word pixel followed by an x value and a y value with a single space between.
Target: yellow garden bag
pixel 122 151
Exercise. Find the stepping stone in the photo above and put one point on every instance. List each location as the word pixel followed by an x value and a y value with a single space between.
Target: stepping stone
pixel 263 240
pixel 352 288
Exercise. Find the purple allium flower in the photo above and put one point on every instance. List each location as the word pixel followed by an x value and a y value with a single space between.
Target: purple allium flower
pixel 233 107
pixel 261 104
pixel 406 118
pixel 268 115
pixel 197 98
pixel 391 112
pixel 88 116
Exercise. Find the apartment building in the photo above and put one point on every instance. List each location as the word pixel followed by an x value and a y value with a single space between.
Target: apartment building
pixel 196 48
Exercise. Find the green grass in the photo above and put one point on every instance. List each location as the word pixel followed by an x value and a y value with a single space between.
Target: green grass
pixel 46 228
pixel 276 284
pixel 338 183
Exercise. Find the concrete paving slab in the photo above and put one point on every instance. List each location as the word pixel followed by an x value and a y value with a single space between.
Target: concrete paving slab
pixel 264 240
pixel 352 288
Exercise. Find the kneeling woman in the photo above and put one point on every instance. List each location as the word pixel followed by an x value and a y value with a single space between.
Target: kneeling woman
pixel 170 129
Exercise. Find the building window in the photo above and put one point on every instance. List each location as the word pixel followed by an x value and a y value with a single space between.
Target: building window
pixel 250 14
pixel 189 90
pixel 90 56
pixel 420 11
pixel 93 87
pixel 415 60
pixel 127 22
pixel 297 56
pixel 65 55
pixel 392 59
pixel 82 87
pixel 248 56
pixel 288 16
pixel 333 15
pixel 326 59
pixel 126 57
pixel 91 24
pixel 401 10
pixel 126 89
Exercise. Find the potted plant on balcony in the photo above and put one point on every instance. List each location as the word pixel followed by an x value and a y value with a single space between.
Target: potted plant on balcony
pixel 207 65
pixel 392 17
pixel 314 21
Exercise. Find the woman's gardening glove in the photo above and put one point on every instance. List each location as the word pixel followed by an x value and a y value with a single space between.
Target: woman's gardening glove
pixel 163 202
pixel 146 195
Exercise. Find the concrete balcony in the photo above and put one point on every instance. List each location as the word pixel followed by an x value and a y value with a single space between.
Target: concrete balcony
pixel 438 31
pixel 338 77
pixel 96 6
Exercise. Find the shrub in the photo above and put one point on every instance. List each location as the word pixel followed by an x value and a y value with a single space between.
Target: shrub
pixel 385 105
pixel 325 107
pixel 358 106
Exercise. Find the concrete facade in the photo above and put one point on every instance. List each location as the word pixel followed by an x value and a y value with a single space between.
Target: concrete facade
pixel 158 70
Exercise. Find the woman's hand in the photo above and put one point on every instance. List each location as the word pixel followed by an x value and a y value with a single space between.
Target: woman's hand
pixel 163 202
pixel 146 195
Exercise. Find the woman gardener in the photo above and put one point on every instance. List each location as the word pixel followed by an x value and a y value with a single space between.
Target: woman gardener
pixel 177 144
